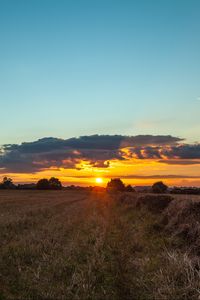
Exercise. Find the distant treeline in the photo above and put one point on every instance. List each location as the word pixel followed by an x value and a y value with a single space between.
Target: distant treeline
pixel 43 184
pixel 186 190
pixel 113 185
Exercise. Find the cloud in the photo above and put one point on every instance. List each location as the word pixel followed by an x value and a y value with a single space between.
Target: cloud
pixel 95 150
pixel 172 154
pixel 109 142
pixel 185 151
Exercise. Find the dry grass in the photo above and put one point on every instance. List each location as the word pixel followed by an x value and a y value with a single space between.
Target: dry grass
pixel 78 245
pixel 182 219
pixel 180 278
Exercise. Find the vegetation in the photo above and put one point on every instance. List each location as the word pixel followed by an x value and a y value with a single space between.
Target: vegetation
pixel 154 203
pixel 159 187
pixel 186 190
pixel 129 188
pixel 7 184
pixel 96 245
pixel 115 185
pixel 43 184
pixel 51 184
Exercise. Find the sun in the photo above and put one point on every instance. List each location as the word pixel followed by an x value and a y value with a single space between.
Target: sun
pixel 99 180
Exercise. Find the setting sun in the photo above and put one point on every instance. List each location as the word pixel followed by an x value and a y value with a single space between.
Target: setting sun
pixel 99 180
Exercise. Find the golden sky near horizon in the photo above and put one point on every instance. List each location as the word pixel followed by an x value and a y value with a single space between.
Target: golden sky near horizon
pixel 134 171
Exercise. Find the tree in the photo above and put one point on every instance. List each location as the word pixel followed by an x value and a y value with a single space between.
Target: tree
pixel 115 185
pixel 51 184
pixel 129 188
pixel 159 187
pixel 55 184
pixel 43 184
pixel 7 183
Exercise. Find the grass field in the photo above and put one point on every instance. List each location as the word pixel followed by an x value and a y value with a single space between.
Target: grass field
pixel 80 245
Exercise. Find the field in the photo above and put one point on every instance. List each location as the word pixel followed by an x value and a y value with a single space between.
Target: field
pixel 91 245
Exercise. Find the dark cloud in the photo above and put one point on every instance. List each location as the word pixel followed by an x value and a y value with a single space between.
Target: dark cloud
pixel 98 142
pixel 98 150
pixel 172 154
pixel 185 151
pixel 153 140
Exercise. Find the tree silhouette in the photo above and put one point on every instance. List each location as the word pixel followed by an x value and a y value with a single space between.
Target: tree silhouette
pixel 51 184
pixel 43 184
pixel 159 187
pixel 7 183
pixel 115 185
pixel 55 184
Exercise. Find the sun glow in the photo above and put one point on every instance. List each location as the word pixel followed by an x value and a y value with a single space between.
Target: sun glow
pixel 99 180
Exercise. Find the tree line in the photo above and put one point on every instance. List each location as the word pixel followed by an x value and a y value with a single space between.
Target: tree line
pixel 43 184
pixel 117 184
pixel 114 185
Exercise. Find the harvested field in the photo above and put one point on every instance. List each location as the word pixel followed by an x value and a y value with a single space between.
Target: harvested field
pixel 80 245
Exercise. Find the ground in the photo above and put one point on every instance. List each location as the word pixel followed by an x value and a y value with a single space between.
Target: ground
pixel 87 245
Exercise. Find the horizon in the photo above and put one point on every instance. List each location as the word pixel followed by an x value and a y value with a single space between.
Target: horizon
pixel 100 89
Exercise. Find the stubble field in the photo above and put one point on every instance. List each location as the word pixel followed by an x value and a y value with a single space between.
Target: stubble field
pixel 90 245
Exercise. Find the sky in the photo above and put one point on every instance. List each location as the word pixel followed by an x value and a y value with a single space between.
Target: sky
pixel 85 68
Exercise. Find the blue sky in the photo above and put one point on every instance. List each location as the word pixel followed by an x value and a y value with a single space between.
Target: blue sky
pixel 71 68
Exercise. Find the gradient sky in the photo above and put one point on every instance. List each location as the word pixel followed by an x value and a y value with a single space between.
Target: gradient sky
pixel 73 68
